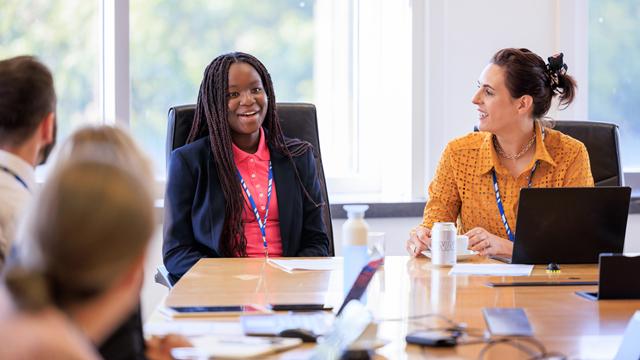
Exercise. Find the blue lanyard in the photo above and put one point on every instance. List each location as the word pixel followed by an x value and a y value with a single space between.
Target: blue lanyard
pixel 18 178
pixel 261 223
pixel 510 234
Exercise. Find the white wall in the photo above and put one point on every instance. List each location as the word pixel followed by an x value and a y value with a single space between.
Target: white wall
pixel 460 38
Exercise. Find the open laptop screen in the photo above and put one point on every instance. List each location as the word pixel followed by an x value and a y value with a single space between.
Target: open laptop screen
pixel 361 283
pixel 570 225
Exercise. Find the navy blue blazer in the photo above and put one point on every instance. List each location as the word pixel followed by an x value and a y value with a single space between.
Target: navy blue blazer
pixel 194 207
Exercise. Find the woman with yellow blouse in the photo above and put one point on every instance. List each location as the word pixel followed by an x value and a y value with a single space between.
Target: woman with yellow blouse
pixel 480 175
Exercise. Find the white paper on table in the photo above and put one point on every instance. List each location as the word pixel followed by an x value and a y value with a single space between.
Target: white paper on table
pixel 314 264
pixel 194 328
pixel 242 347
pixel 492 269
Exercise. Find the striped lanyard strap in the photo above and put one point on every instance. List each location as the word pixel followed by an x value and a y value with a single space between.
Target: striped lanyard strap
pixel 510 234
pixel 18 178
pixel 262 224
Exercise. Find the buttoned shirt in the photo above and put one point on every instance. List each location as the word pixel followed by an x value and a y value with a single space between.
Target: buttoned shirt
pixel 17 180
pixel 254 169
pixel 462 189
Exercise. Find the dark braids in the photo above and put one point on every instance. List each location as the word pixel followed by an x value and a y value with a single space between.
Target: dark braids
pixel 211 118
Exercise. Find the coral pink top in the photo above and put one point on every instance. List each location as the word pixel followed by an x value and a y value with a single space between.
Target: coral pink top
pixel 254 169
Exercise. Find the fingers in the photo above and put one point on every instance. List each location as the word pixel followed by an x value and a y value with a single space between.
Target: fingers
pixel 481 246
pixel 477 235
pixel 419 240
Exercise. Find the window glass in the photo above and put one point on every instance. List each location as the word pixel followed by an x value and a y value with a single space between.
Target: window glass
pixel 172 42
pixel 614 72
pixel 63 34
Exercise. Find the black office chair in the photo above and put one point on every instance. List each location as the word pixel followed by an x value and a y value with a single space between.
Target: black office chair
pixel 601 141
pixel 298 120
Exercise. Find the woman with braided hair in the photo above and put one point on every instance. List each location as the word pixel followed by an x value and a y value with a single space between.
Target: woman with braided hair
pixel 221 198
pixel 479 177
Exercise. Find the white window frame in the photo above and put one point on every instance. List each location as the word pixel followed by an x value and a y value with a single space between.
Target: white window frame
pixel 115 76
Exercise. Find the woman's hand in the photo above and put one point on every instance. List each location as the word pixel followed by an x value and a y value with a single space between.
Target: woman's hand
pixel 159 347
pixel 486 244
pixel 419 240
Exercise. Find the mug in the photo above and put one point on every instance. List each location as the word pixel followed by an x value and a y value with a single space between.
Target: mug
pixel 462 244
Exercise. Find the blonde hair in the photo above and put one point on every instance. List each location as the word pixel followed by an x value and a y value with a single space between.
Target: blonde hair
pixel 93 220
pixel 107 143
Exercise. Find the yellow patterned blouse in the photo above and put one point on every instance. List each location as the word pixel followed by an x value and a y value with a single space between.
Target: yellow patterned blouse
pixel 462 189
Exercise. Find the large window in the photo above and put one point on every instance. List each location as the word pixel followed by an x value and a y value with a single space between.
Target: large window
pixel 352 61
pixel 614 70
pixel 351 58
pixel 172 42
pixel 64 34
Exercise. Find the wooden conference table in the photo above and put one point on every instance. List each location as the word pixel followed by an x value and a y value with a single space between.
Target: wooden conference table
pixel 404 287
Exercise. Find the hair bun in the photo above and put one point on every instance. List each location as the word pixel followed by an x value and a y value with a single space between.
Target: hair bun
pixel 556 68
pixel 29 289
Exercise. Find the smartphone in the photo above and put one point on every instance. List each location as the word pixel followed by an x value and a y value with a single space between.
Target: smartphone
pixel 507 322
pixel 300 307
pixel 198 311
pixel 434 338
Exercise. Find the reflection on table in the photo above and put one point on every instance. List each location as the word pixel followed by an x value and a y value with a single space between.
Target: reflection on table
pixel 407 287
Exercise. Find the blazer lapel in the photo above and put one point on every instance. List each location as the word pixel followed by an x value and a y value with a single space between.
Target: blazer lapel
pixel 286 185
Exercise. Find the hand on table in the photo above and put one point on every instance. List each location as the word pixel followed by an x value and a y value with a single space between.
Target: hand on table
pixel 419 240
pixel 159 347
pixel 487 244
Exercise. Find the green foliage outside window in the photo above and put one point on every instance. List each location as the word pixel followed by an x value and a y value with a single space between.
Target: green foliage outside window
pixel 614 71
pixel 173 41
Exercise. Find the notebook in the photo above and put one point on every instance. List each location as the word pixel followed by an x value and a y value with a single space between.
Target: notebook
pixel 319 323
pixel 570 225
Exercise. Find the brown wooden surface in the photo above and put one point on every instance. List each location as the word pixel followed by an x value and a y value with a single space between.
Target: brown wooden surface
pixel 406 287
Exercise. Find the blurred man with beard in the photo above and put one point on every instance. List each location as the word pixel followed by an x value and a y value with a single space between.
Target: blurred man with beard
pixel 27 135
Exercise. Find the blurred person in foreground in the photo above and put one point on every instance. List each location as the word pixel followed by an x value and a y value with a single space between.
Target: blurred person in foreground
pixel 27 135
pixel 79 270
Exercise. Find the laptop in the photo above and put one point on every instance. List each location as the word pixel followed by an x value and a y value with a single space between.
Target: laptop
pixel 617 280
pixel 630 347
pixel 318 323
pixel 570 225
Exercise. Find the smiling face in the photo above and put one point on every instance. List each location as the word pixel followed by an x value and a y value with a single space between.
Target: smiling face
pixel 247 103
pixel 497 110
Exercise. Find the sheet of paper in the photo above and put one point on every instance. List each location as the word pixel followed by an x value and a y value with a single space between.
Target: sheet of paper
pixel 212 347
pixel 491 269
pixel 194 328
pixel 307 264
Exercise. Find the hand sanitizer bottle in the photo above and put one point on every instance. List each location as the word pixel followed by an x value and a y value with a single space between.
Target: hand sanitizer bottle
pixel 354 244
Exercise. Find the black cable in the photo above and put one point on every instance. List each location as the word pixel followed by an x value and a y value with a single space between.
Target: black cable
pixel 460 330
pixel 540 352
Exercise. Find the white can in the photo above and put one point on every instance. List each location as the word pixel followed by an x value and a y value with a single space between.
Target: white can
pixel 443 243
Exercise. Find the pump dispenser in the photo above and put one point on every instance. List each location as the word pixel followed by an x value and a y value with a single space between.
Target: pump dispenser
pixel 354 243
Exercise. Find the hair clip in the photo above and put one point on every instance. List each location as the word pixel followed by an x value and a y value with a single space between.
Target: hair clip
pixel 555 68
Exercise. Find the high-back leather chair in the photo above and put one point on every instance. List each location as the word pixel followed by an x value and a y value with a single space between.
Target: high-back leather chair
pixel 298 120
pixel 601 141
